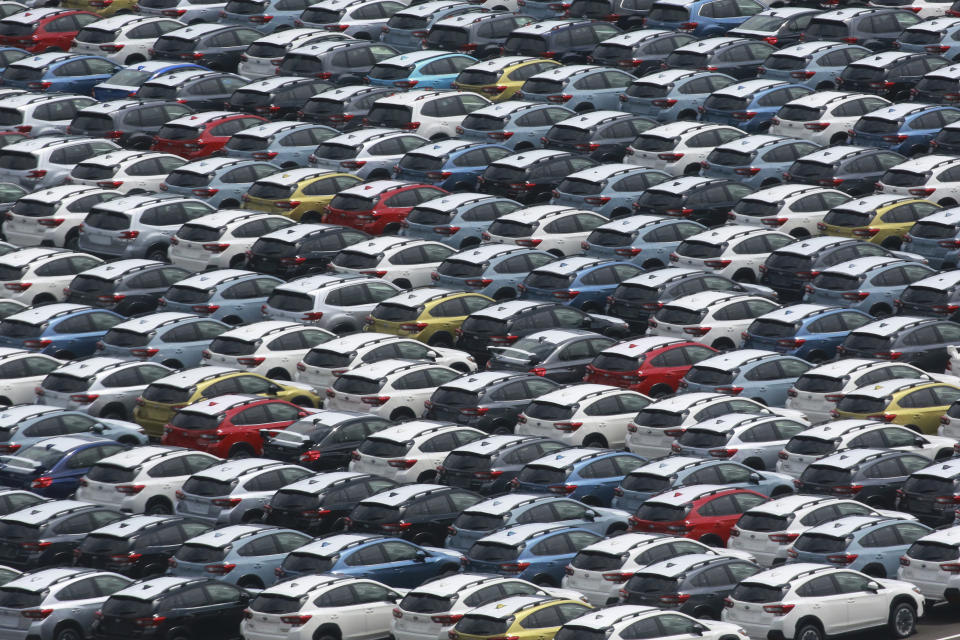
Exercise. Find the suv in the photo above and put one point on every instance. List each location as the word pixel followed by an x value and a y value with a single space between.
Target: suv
pixel 231 295
pixel 871 476
pixel 417 512
pixel 369 153
pixel 759 159
pixel 341 108
pixel 891 74
pixel 588 475
pixel 276 98
pixel 220 182
pixel 641 52
pixel 431 114
pixel 703 200
pixel 456 219
pixel 21 371
pixel 611 189
pixel 816 64
pixel 197 88
pixel 44 28
pixel 853 170
pixel 921 342
pixel 501 77
pixel 652 364
pixel 567 41
pixel 37 275
pixel 672 94
pixel 876 28
pixel 341 62
pixel 219 241
pixel 406 28
pixel 928 564
pixel 679 148
pixel 129 287
pixel 918 404
pixel 751 105
pixel 170 338
pixel 753 440
pixel 379 206
pixel 790 208
pixel 213 45
pixel 271 347
pixel 61 330
pixel 41 115
pixel 44 162
pixel 52 216
pixel 735 57
pixel 284 143
pixel 337 302
pixel 301 249
pixel 583 88
pixel 906 127
pixel 715 318
pixel 319 504
pixel 260 58
pixel 556 229
pixel 479 34
pixel 323 441
pixel 132 123
pixel 125 171
pixel 602 135
pixel 488 465
pixel 514 124
pixel 561 355
pixel 201 135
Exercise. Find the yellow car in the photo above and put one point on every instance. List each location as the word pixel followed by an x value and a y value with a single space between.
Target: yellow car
pixel 916 404
pixel 498 79
pixel 162 398
pixel 103 8
pixel 428 314
pixel 882 219
pixel 300 194
pixel 518 618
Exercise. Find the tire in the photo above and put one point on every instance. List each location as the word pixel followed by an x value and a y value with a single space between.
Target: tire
pixel 502 429
pixel 423 539
pixel 42 299
pixel 391 229
pixel 459 366
pixel 595 441
pixel 903 620
pixel 544 581
pixel 237 262
pixel 584 108
pixel 68 631
pixel 402 415
pixel 130 441
pixel 825 86
pixel 403 283
pixel 947 202
pixel 745 275
pixel 556 252
pixel 687 115
pixel 441 339
pixel 449 570
pixel 278 374
pixel 615 529
pixel 652 264
pixel 469 243
pixel 779 492
pixel 72 241
pixel 505 294
pixel 692 170
pixel 311 217
pixel 233 320
pixel 427 476
pixel 893 244
pixel 303 401
pixel 240 452
pixel 817 357
pixel 755 463
pixel 711 540
pixel 875 571
pixel 157 252
pixel 769 182
pixel 158 507
pixel 880 311
pixel 809 631
pixel 660 391
pixel 252 516
pixel 800 234
pixel 173 364
pixel 722 344
pixel 250 582
pixel 113 412
pixel 342 329
pixel 914 427
pixel 229 204
pixel 63 354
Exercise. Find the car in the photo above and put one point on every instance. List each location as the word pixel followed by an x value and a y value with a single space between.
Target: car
pixel 700 17
pixel 429 314
pixel 897 604
pixel 779 26
pixel 232 295
pixel 129 287
pixel 478 34
pixel 277 98
pixel 431 114
pixel 58 72
pixel 687 315
pixel 300 194
pixel 703 200
pixel 877 218
pixel 44 28
pixel 323 441
pixel 235 491
pixel 406 28
pixel 816 64
pixel 750 439
pixel 27 424
pixel 271 347
pixel 640 51
pixel 125 171
pixel 201 135
pixel 736 57
pixel 871 476
pixel 457 219
pixel 299 250
pixel 26 530
pixel 561 355
pixel 181 337
pixel 893 74
pixel 343 61
pixel 338 302
pixel 21 371
pixel 500 78
pixel 420 513
pixel 428 69
pixel 516 124
pixel 20 161
pixel 268 17
pixel 349 390
pixel 679 148
pixel 611 189
pixel 351 602
pixel 488 465
pixel 509 614
pixel 762 375
pixel 761 159
pixel 577 281
pixel 852 170
pixel 174 596
pixel 920 341
pixel 341 108
pixel 449 164
pixel 368 153
pixel 16 499
pixel 219 241
pixel 583 88
pixel 931 177
pixel 811 332
pixel 213 45
pixel 220 182
pixel 197 88
pixel 361 19
pixel 556 229
pixel 38 115
pixel 935 85
pixel 404 262
pixel 932 238
pixel 905 128
pixel 926 564
pixel 257 59
pixel 53 467
pixel 602 135
pixel 672 94
pixel 32 220
pixel 568 41
pixel 917 404
pixel 124 38
pixel 62 330
pixel 651 365
pixel 131 123
pixel 930 36
pixel 868 284
pixel 371 557
pixel 585 474
pixel 735 251
pixel 790 208
pixel 284 143
pixel 751 104
pixel 388 452
pixel 876 28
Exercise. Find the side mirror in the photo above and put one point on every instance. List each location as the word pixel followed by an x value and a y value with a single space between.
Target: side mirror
pixel 98 428
pixel 421 556
pixel 873 586
pixel 919 442
pixel 590 514
pixel 755 478
pixel 433 355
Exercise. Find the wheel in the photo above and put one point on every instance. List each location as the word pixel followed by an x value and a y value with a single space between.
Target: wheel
pixel 342 329
pixel 544 581
pixel 745 275
pixel 947 202
pixel 250 582
pixel 779 492
pixel 892 243
pixel 711 540
pixel 234 320
pixel 42 299
pixel 505 294
pixel 402 415
pixel 302 401
pixel 586 107
pixel 449 570
pixel 769 182
pixel 427 476
pixel 722 344
pixel 616 529
pixel 252 516
pixel 173 364
pixel 825 86
pixel 441 339
pixel 817 357
pixel 157 252
pixel 240 452
pixel 839 138
pixel 237 262
pixel 880 311
pixel 113 412
pixel 903 620
pixel 229 204
pixel 914 428
pixel 918 150
pixel 423 539
pixel 158 507
pixel 278 374
pixel 391 229
pixel 692 170
pixel 72 241
pixel 68 631
pixel 469 243
pixel 687 115
pixel 502 429
pixel 311 217
pixel 592 307
pixel 556 252
pixel 379 174
pixel 63 354
pixel 595 441
pixel 755 463
pixel 875 571
pixel 760 401
pixel 403 283
pixel 800 234
pixel 459 366
pixel 129 441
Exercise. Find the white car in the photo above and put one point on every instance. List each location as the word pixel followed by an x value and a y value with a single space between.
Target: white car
pixel 38 275
pixel 144 479
pixel 21 372
pixel 411 452
pixel 357 608
pixel 52 216
pixel 430 611
pixel 735 251
pixel 583 415
pixel 654 429
pixel 553 228
pixel 322 365
pixel 789 208
pixel 806 601
pixel 125 39
pixel 931 564
pixel 370 152
pixel 394 389
pixel 220 240
pixel 824 117
pixel 406 262
pixel 451 107
pixel 933 177
pixel 127 172
pixel 262 57
pixel 271 347
pixel 766 531
pixel 679 147
pixel 715 318
pixel 626 621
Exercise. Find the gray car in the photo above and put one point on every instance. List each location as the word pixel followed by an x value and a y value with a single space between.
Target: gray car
pixel 672 94
pixel 129 287
pixel 816 64
pixel 488 466
pixel 754 440
pixel 68 597
pixel 369 153
pixel 41 115
pixel 285 143
pixel 137 226
pixel 586 92
pixel 174 339
pixel 405 29
pixel 236 491
pixel 561 355
pixel 27 424
pixel 45 162
pixel 218 182
pixel 757 161
pixel 343 108
pixel 341 62
pixel 516 124
pixel 231 295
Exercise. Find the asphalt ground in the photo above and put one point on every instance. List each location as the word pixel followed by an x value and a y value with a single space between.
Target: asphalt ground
pixel 942 622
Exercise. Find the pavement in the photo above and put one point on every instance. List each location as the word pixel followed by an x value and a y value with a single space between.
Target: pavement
pixel 939 623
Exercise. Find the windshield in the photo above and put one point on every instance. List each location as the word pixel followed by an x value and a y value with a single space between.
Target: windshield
pixel 662 512
pixel 543 410
pixel 382 448
pixel 824 475
pixel 810 445
pixel 763 522
pixel 819 543
pixel 542 474
pixel 933 551
pixel 420 602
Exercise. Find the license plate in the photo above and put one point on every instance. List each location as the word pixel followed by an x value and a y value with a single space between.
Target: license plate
pixel 8 551
pixel 8 619
pixel 97 239
pixel 196 507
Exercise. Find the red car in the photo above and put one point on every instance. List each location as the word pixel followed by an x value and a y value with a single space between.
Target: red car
pixel 701 512
pixel 44 29
pixel 653 365
pixel 202 134
pixel 380 206
pixel 229 426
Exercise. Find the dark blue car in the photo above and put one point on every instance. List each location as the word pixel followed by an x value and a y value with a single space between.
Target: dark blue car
pixel 53 467
pixel 62 330
pixel 452 164
pixel 750 105
pixel 577 281
pixel 809 331
pixel 58 72
pixel 588 475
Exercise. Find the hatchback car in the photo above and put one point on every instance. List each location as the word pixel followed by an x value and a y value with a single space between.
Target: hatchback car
pixel 583 88
pixel 62 330
pixel 53 467
pixel 737 57
pixel 751 104
pixel 230 295
pixel 515 124
pixel 379 386
pixel 764 376
pixel 871 476
pixel 199 136
pixel 811 332
pixel 300 250
pixel 453 165
pixel 611 189
pixel 868 284
pixel 59 72
pixel 906 128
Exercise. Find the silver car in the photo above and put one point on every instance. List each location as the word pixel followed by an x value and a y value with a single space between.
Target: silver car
pixel 68 596
pixel 171 338
pixel 42 115
pixel 41 163
pixel 368 153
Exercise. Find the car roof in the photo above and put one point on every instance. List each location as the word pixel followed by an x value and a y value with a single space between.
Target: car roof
pixel 293 176
pixel 679 565
pixel 884 58
pixel 789 504
pixel 667 466
pixel 321 481
pixel 847 525
pixel 840 368
pixel 940 23
pixel 43 511
pixel 414 429
pixel 891 325
pixel 567 457
pixel 521 533
pixel 219 404
pixel 189 377
pixel 749 87
pixel 899 110
pixel 507 502
pixel 420 296
pixel 886 387
pixel 754 142
pixel 91 366
pixel 153 588
pixel 641 345
pixel 29 255
pixel 684 400
pixel 864 264
pixel 131 524
pixel 536 212
pixel 732 421
pixel 837 428
pixel 634 37
pixel 399 495
pixel 390 366
pixel 417 57
pixel 710 44
pixel 508 308
pixel 224 218
pixel 491 444
pixel 605 171
pixel 333 544
pixel 658 277
pixel 738 358
pixel 849 458
pixel 786 573
pixel 355 341
pixel 41 579
pixel 260 329
pixel 231 469
pixel 726 233
pixel 111 270
pixel 498 63
pixel 20 412
pixel 307 582
pixel 574 393
pixel 922 164
pixel 704 299
pixel 507 607
pixel 572 264
pixel 480 380
pixel 942 280
pixel 684 495
pixel 592 118
pixel 132 458
pixel 680 128
pixel 796 312
pixel 804 49
pixel 226 535
pixel 484 252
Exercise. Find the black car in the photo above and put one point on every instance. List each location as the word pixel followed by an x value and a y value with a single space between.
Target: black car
pixel 937 296
pixel 561 355
pixel 343 108
pixel 703 200
pixel 479 34
pixel 138 547
pixel 602 135
pixel 567 41
pixel 300 250
pixel 45 534
pixel 921 342
pixel 738 58
pixel 531 176
pixel 128 289
pixel 196 88
pixel 782 26
pixel 176 608
pixel 487 400
pixel 487 466
pixel 640 52
pixel 627 14
pixel 891 74
pixel 871 476
pixel 131 123
pixel 275 98
pixel 928 493
pixel 321 503
pixel 420 513
pixel 853 170
pixel 322 441
pixel 215 46
pixel 874 28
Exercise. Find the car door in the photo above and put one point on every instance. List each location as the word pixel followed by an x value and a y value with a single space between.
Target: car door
pixel 376 604
pixel 405 565
pixel 863 608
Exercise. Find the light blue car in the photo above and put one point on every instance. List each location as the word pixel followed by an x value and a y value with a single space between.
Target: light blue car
pixel 494 269
pixel 284 143
pixel 25 424
pixel 869 284
pixel 489 516
pixel 757 161
pixel 608 189
pixel 576 87
pixel 577 281
pixel 231 295
pixel 809 331
pixel 266 16
pixel 516 124
pixel 672 94
pixel 937 238
pixel 664 474
pixel 219 181
pixel 815 64
pixel 456 219
pixel 643 240
pixel 426 69
pixel 764 376
pixel 905 127
pixel 173 339
pixel 246 555
pixel 871 544
pixel 750 105
pixel 451 164
pixel 939 36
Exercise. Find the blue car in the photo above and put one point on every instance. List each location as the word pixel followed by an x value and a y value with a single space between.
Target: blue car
pixel 451 164
pixel 62 330
pixel 456 219
pixel 392 561
pixel 608 189
pixel 672 94
pixel 758 161
pixel 419 70
pixel 224 294
pixel 937 238
pixel 869 284
pixel 871 544
pixel 267 16
pixel 764 376
pixel 535 552
pixel 127 81
pixel 905 127
pixel 493 269
pixel 750 105
pixel 284 143
pixel 642 240
pixel 219 181
pixel 701 17
pixel 53 467
pixel 809 331
pixel 663 474
pixel 577 281
pixel 814 64
pixel 57 72
pixel 588 475
pixel 515 124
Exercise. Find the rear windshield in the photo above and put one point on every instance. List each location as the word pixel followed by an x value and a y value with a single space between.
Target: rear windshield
pixel 542 410
pixel 477 77
pixel 111 473
pixel 355 384
pixel 924 295
pixel 232 346
pixel 198 233
pixel 861 404
pixel 178 131
pixel 293 500
pixel 187 295
pixel 810 445
pixel 525 45
pixel 419 602
pixel 127 607
pixel 931 485
pixel 186 178
pixel 103 544
pixel 126 338
pixel 349 202
pixel 809 170
pixel 380 447
pixel 904 178
pixel 755 592
pixel 17 160
pixel 721 102
pixel 866 342
pixel 275 603
pixel 837 281
pixel 784 62
pixel 581 187
pixel 389 115
pixel 650 583
pixel 483 625
pixel 659 200
pixel 868 124
pixel 373 512
pixel 597 560
pixel 931 551
pixel 542 85
pixel 862 73
pixel 615 362
pixel 542 474
pixel 192 552
pixel 548 280
pixel 466 461
pixel 327 359
pixel 645 482
pixel 447 37
pixel 14 598
pixel 484 325
pixel 661 512
pixel 702 438
pixel 195 421
pixel 568 134
pixel 648 90
pixel 166 394
pixel 482 122
pixel 274 248
pixel 680 315
pixel 452 396
pixel 762 522
pixel 393 312
pixel 920 229
pixel 658 418
pixel 333 151
pixel 65 383
pixel 636 292
pixel 821 474
pixel 290 301
pixel 107 220
pixel 765 328
pixel 510 228
pixel 730 158
pixel 820 29
pixel 493 551
pixel 819 543
pixel 91 284
pixel 687 59
pixel 478 521
pixel 207 487
pixel 459 268
pixel 37 208
pixel 817 383
pixel 17 328
pixel 667 13
pixel 270 190
pixel 700 249
pixel 308 563
pixel 707 375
